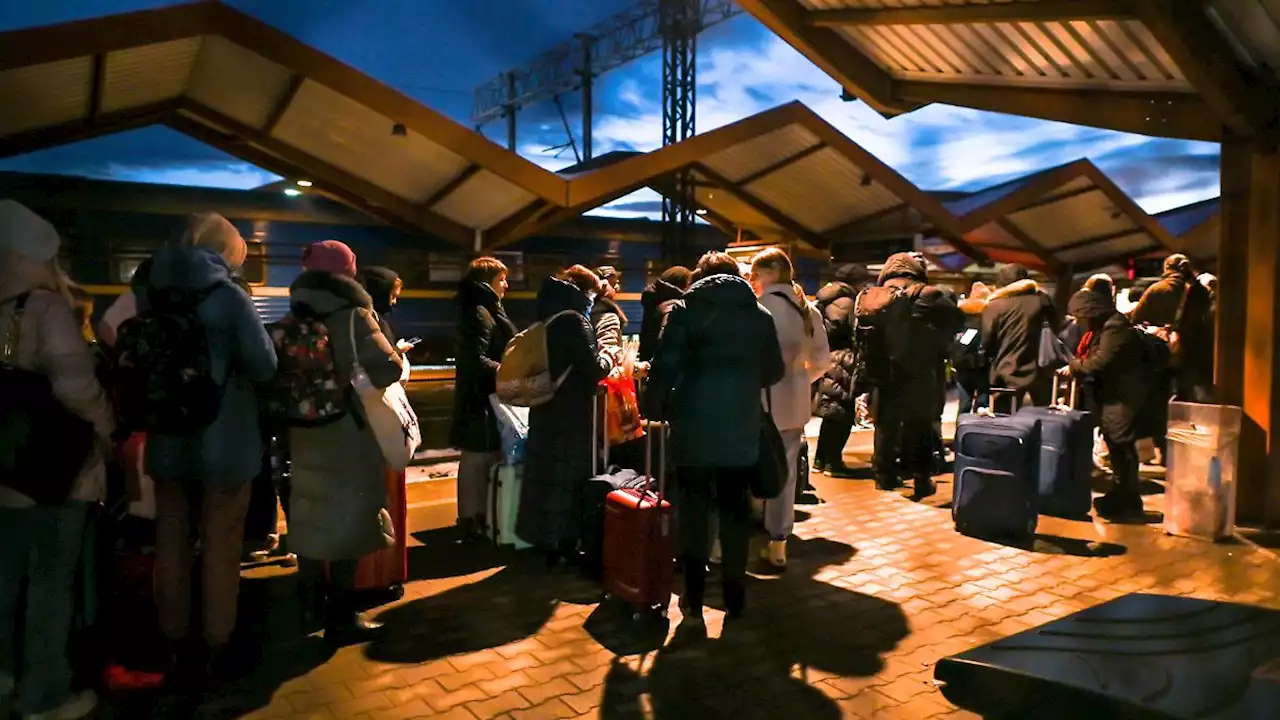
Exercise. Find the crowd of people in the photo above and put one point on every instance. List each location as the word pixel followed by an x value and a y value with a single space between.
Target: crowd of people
pixel 724 350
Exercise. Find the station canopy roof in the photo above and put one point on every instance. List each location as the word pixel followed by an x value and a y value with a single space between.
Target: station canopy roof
pixel 259 94
pixel 1169 68
pixel 1195 228
pixel 784 173
pixel 1071 216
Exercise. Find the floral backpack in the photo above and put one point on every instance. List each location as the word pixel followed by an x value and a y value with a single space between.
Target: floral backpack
pixel 306 391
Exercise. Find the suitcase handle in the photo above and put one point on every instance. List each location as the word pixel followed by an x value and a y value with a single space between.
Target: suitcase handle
pixel 650 427
pixel 994 393
pixel 1069 400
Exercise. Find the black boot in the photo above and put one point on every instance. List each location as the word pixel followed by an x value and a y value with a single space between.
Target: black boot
pixel 344 624
pixel 923 487
pixel 1124 501
pixel 695 590
pixel 884 482
pixel 735 599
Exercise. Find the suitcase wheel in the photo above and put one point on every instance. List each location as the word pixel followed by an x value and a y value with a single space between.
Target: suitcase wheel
pixel 396 591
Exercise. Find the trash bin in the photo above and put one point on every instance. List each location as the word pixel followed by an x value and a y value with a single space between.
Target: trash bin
pixel 1200 483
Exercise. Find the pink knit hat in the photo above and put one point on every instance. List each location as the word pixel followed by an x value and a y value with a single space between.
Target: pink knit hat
pixel 330 256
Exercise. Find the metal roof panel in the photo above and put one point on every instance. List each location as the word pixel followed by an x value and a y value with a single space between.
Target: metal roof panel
pixel 148 74
pixel 51 94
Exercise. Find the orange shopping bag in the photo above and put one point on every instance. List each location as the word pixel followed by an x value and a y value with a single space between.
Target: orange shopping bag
pixel 622 417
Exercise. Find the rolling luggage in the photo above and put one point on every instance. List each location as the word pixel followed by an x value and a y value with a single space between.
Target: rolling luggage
pixel 639 565
pixel 997 471
pixel 388 570
pixel 504 504
pixel 1066 455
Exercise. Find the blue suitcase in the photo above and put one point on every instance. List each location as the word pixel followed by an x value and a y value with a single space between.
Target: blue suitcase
pixel 1066 458
pixel 997 468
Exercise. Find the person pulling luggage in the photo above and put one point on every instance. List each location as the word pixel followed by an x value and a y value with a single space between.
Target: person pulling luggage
pixel 1109 360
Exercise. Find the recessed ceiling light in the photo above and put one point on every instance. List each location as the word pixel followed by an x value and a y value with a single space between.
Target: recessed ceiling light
pixel 701 211
pixel 292 192
pixel 304 183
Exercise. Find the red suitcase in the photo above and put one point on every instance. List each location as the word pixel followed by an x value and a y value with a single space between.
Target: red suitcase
pixel 639 565
pixel 388 570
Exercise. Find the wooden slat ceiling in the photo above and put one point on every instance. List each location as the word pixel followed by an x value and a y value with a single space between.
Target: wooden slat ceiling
pixel 1169 68
pixel 254 92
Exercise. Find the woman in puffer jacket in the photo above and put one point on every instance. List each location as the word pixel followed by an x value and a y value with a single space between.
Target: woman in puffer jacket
pixel 806 355
pixel 837 399
pixel 41 543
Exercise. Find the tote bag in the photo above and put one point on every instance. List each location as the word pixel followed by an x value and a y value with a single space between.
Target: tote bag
pixel 770 477
pixel 388 412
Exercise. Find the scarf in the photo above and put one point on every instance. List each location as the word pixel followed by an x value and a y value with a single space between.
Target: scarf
pixel 1082 348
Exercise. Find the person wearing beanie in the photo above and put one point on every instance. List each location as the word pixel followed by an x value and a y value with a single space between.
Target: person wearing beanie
pixel 837 400
pixel 1108 358
pixel 657 301
pixel 204 478
pixel 40 545
pixel 384 287
pixel 338 473
pixel 1011 325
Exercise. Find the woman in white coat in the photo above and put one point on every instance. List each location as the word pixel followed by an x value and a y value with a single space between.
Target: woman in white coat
pixel 807 357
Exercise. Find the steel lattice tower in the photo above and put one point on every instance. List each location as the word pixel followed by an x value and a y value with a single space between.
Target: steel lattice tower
pixel 680 22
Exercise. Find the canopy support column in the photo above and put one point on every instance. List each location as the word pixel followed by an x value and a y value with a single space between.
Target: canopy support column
pixel 1248 317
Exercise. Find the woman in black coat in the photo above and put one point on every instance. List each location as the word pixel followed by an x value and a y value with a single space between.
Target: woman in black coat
pixel 1110 363
pixel 483 334
pixel 719 352
pixel 558 452
pixel 837 401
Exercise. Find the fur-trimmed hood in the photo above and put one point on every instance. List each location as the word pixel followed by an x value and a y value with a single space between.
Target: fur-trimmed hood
pixel 324 293
pixel 972 305
pixel 1014 289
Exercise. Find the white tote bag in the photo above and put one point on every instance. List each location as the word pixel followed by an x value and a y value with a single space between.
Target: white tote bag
pixel 387 411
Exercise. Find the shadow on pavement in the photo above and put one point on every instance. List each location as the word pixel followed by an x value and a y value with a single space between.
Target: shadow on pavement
pixel 749 672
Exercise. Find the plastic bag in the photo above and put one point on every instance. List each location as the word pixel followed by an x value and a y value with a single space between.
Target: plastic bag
pixel 513 429
pixel 622 420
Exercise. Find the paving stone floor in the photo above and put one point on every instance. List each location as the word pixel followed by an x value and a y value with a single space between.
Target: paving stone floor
pixel 879 589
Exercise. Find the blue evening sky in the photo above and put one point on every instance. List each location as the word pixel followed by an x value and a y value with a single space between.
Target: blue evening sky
pixel 437 51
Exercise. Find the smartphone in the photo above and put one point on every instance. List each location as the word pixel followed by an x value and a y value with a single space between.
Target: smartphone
pixel 411 342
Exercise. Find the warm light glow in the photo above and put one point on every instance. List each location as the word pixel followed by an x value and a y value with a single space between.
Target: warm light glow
pixel 304 183
pixel 701 211
pixel 292 192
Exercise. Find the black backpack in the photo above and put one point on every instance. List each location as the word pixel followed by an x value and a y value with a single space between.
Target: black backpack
pixel 882 333
pixel 43 445
pixel 164 371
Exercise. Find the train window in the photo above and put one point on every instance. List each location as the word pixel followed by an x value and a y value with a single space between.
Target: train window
pixel 445 267
pixel 125 265
pixel 254 270
pixel 515 267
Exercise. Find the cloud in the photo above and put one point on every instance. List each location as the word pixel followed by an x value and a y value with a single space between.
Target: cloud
pixel 238 176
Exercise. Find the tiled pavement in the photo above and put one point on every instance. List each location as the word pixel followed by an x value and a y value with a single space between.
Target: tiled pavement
pixel 879 589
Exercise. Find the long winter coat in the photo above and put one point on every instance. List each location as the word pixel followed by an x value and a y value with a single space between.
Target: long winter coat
pixel 935 321
pixel 338 471
pixel 805 354
pixel 1116 378
pixel 558 451
pixel 1011 327
pixel 50 342
pixel 228 453
pixel 483 334
pixel 657 300
pixel 720 350
pixel 836 303
pixel 1159 306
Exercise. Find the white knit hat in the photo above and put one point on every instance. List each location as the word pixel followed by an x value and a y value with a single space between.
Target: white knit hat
pixel 27 234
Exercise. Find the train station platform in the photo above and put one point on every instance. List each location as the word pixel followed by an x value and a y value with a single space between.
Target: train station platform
pixel 879 590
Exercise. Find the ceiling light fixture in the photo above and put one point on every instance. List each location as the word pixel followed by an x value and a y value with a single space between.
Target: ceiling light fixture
pixel 292 192
pixel 701 211
pixel 866 179
pixel 399 130
pixel 304 183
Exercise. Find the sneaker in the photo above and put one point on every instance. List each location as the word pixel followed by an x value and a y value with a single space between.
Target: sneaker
pixel 77 706
pixel 776 553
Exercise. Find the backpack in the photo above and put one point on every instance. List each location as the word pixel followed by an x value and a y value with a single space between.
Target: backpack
pixel 882 332
pixel 306 390
pixel 524 375
pixel 164 370
pixel 43 444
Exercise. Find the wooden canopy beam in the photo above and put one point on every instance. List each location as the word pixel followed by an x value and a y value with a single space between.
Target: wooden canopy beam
pixel 774 215
pixel 1099 239
pixel 453 184
pixel 1007 12
pixel 283 103
pixel 1161 114
pixel 97 86
pixel 333 176
pixel 85 128
pixel 857 74
pixel 1031 244
pixel 1204 56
